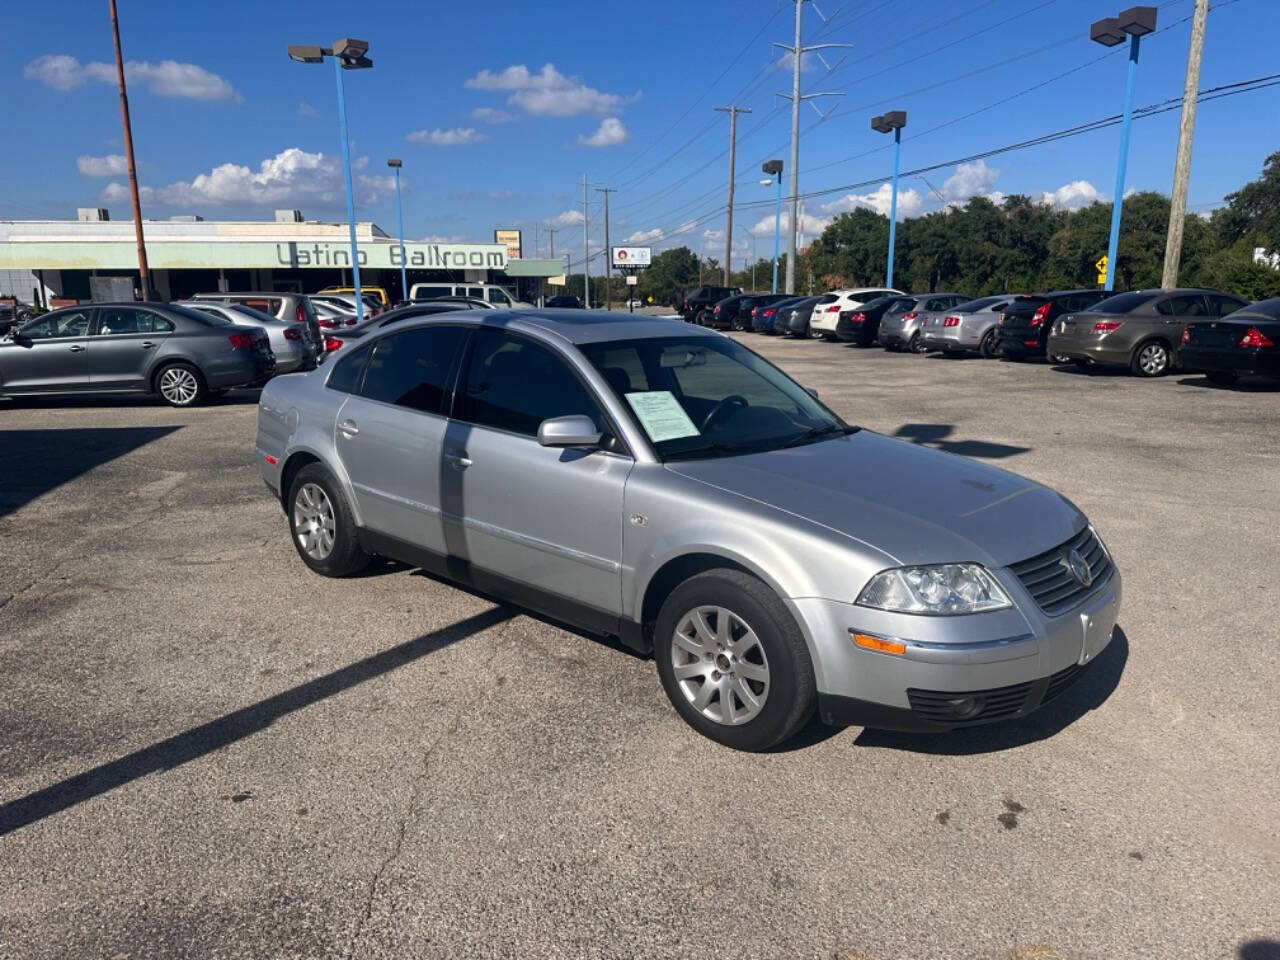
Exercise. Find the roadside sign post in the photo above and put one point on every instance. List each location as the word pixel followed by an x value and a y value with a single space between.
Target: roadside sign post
pixel 630 261
pixel 1101 265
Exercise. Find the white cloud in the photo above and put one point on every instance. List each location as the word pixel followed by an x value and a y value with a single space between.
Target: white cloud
pixel 293 178
pixel 910 202
pixel 446 138
pixel 168 78
pixel 566 219
pixel 444 238
pixel 810 225
pixel 112 165
pixel 610 133
pixel 645 236
pixel 491 115
pixel 307 110
pixel 970 180
pixel 547 93
pixel 1071 196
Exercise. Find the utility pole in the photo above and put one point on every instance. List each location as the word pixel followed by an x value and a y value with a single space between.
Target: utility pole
pixel 608 255
pixel 144 273
pixel 798 50
pixel 586 249
pixel 1186 134
pixel 733 112
pixel 552 231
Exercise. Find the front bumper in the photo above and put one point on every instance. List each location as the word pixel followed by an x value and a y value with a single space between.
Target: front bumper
pixel 957 671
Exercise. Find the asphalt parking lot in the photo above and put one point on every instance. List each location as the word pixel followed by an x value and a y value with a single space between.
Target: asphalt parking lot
pixel 209 752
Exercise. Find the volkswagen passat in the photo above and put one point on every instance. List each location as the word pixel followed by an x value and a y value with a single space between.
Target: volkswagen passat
pixel 669 487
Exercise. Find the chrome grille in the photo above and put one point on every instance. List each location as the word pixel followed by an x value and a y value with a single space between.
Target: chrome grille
pixel 1049 580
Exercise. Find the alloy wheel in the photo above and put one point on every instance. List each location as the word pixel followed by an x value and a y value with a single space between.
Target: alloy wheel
pixel 313 522
pixel 720 665
pixel 1153 359
pixel 179 386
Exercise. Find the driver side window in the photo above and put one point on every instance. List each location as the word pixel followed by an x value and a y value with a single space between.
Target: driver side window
pixel 57 326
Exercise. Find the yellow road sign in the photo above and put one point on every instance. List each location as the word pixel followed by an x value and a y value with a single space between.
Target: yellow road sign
pixel 1102 279
pixel 1101 264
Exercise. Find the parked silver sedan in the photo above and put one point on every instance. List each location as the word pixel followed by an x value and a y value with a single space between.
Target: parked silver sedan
pixel 902 330
pixel 292 343
pixel 666 485
pixel 967 328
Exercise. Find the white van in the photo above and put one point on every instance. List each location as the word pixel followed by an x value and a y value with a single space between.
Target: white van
pixel 489 292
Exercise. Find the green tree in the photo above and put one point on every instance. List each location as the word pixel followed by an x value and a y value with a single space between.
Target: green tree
pixel 670 275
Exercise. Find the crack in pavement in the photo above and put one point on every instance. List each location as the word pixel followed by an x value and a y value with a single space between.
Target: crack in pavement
pixel 402 828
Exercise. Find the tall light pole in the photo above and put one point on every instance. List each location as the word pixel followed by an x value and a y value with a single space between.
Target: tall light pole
pixel 774 169
pixel 144 271
pixel 395 164
pixel 1135 23
pixel 1186 134
pixel 894 121
pixel 347 54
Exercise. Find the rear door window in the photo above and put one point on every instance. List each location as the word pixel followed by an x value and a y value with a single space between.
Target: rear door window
pixel 1185 305
pixel 117 321
pixel 412 368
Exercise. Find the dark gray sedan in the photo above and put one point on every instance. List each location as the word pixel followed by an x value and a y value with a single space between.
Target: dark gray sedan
pixel 182 355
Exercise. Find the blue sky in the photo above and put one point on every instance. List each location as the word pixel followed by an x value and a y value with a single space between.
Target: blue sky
pixel 498 111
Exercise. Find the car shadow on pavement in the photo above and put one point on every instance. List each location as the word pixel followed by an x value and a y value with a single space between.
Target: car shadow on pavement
pixel 1091 691
pixel 1240 386
pixel 236 725
pixel 1260 950
pixel 233 398
pixel 1091 370
pixel 936 435
pixel 33 462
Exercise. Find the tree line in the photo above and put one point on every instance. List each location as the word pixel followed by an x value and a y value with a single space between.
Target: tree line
pixel 1018 246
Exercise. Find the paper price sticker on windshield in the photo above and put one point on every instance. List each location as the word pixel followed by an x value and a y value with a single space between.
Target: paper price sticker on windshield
pixel 661 415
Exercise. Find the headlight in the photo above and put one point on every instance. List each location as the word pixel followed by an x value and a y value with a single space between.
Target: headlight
pixel 939 589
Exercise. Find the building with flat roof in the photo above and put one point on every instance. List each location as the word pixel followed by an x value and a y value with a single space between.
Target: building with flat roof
pixel 52 260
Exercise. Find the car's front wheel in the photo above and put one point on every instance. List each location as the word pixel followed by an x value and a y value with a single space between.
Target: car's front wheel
pixel 1151 359
pixel 322 525
pixel 733 661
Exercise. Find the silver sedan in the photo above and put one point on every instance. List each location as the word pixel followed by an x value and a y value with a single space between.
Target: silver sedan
pixel 967 328
pixel 667 486
pixel 292 343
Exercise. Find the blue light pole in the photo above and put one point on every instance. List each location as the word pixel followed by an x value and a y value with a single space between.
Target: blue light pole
pixel 347 54
pixel 894 120
pixel 395 164
pixel 774 169
pixel 1133 24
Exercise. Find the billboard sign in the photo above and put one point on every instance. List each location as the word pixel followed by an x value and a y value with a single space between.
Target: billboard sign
pixel 638 257
pixel 509 239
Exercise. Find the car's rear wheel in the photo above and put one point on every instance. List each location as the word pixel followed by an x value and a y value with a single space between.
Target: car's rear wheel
pixel 916 345
pixel 1222 378
pixel 322 525
pixel 990 345
pixel 181 385
pixel 1151 359
pixel 733 661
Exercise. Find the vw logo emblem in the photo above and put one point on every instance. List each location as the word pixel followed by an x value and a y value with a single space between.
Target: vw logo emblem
pixel 1078 568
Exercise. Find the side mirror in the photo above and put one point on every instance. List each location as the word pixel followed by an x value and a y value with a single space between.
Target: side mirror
pixel 812 391
pixel 574 430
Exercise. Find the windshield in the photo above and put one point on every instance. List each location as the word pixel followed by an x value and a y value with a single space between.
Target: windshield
pixel 209 319
pixel 700 397
pixel 973 306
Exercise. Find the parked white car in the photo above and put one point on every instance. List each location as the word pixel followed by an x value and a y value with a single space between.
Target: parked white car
pixel 826 312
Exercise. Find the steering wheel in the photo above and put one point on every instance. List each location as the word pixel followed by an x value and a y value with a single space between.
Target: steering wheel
pixel 732 402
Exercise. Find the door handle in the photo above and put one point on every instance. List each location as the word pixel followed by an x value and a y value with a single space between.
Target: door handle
pixel 147 344
pixel 459 459
pixel 349 427
pixel 77 348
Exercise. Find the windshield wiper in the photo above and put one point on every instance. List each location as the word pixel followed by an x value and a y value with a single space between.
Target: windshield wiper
pixel 817 433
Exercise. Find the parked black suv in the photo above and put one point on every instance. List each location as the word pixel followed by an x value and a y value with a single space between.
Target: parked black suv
pixel 1024 326
pixel 701 300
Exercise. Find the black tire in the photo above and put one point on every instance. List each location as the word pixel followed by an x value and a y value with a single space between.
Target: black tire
pixel 916 345
pixel 829 337
pixel 1222 378
pixel 345 556
pixel 180 385
pixel 989 348
pixel 790 695
pixel 700 318
pixel 1151 358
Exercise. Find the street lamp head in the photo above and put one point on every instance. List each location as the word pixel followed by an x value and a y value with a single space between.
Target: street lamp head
pixel 1138 21
pixel 306 53
pixel 359 63
pixel 895 119
pixel 878 125
pixel 350 49
pixel 773 168
pixel 1107 32
pixel 394 162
